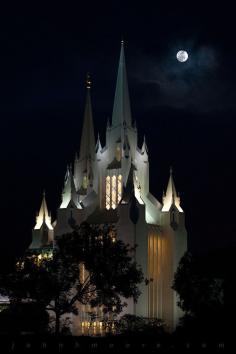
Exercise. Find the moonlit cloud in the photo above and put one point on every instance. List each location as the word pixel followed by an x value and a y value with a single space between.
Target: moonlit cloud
pixel 196 84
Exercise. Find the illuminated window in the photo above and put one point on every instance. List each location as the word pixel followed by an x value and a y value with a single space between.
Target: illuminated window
pixel 38 259
pixel 85 182
pixel 108 192
pixel 113 191
pixel 112 235
pixel 118 153
pixel 82 273
pixel 119 189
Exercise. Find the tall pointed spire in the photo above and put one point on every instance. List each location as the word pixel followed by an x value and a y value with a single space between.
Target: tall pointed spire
pixel 98 147
pixel 121 109
pixel 69 192
pixel 87 144
pixel 43 217
pixel 144 148
pixel 171 197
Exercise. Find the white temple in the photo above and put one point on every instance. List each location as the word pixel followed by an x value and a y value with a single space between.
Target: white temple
pixel 110 184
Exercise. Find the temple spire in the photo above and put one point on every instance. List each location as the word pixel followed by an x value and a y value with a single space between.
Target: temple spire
pixel 121 110
pixel 144 146
pixel 98 147
pixel 87 144
pixel 43 217
pixel 69 194
pixel 170 197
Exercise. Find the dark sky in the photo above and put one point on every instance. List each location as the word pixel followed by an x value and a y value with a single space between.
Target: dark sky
pixel 187 111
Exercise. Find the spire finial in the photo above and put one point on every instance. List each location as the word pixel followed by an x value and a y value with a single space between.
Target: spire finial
pixel 88 81
pixel 122 41
pixel 87 141
pixel 44 193
pixel 121 107
pixel 171 170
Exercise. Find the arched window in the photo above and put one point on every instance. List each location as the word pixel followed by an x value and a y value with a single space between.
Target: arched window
pixel 113 191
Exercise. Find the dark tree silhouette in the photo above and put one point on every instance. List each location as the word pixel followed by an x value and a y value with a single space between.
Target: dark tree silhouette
pixel 132 325
pixel 107 264
pixel 25 318
pixel 201 294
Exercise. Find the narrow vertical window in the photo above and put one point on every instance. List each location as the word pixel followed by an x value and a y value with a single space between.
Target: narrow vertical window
pixel 108 192
pixel 85 182
pixel 119 189
pixel 113 192
pixel 118 153
pixel 83 273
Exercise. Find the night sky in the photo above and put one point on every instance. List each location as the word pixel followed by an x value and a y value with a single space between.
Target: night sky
pixel 186 110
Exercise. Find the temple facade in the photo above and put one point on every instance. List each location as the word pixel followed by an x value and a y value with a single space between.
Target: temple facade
pixel 110 185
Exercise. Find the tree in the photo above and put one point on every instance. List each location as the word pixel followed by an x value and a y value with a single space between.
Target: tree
pixel 21 318
pixel 137 325
pixel 201 293
pixel 89 266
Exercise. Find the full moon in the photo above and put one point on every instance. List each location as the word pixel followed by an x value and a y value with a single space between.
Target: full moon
pixel 182 56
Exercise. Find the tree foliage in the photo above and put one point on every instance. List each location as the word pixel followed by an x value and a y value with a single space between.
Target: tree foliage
pixel 198 291
pixel 25 318
pixel 89 266
pixel 138 325
pixel 201 293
